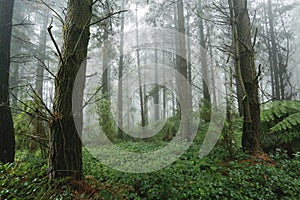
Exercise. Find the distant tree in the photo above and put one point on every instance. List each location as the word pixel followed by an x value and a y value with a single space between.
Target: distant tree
pixel 65 158
pixel 39 127
pixel 7 138
pixel 120 74
pixel 182 67
pixel 204 63
pixel 142 104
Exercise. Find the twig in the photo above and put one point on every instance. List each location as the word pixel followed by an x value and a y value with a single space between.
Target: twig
pixel 45 66
pixel 106 17
pixel 54 42
pixel 221 10
pixel 30 108
pixel 38 139
pixel 41 101
pixel 58 16
pixel 255 37
pixel 90 99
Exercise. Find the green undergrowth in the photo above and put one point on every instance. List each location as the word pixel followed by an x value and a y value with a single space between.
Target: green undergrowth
pixel 215 176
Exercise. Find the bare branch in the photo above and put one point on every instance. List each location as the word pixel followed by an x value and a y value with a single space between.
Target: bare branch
pixel 54 42
pixel 41 101
pixel 45 66
pixel 106 17
pixel 58 15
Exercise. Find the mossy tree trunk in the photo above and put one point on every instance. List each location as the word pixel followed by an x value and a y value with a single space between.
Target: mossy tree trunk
pixel 65 158
pixel 244 55
pixel 7 137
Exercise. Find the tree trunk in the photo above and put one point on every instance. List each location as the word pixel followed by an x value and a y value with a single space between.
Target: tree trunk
pixel 120 74
pixel 203 59
pixel 139 70
pixel 281 75
pixel 38 124
pixel 274 51
pixel 247 74
pixel 156 86
pixel 7 137
pixel 212 68
pixel 65 144
pixel 267 42
pixel 164 98
pixel 182 67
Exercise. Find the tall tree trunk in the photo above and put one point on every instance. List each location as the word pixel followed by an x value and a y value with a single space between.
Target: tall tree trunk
pixel 244 55
pixel 204 68
pixel 281 75
pixel 184 94
pixel 156 86
pixel 274 51
pixel 145 96
pixel 7 136
pixel 229 132
pixel 214 100
pixel 105 75
pixel 189 51
pixel 139 70
pixel 267 42
pixel 65 144
pixel 120 74
pixel 164 98
pixel 189 56
pixel 38 124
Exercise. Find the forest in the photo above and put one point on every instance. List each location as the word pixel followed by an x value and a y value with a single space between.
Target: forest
pixel 128 99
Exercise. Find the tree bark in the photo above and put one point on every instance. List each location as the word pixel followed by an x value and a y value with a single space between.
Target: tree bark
pixel 204 68
pixel 65 144
pixel 139 71
pixel 268 45
pixel 7 137
pixel 156 86
pixel 182 67
pixel 120 74
pixel 247 75
pixel 274 51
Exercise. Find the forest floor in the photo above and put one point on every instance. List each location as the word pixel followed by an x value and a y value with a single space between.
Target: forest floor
pixel 216 176
pixel 213 177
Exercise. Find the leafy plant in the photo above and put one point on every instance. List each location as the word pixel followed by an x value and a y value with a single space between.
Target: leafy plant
pixel 105 119
pixel 281 124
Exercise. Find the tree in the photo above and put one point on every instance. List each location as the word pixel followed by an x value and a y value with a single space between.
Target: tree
pixel 39 127
pixel 244 56
pixel 274 51
pixel 142 105
pixel 65 158
pixel 204 65
pixel 7 137
pixel 182 67
pixel 120 74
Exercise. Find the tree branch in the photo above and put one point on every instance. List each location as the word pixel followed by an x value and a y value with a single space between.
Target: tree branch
pixel 54 42
pixel 58 16
pixel 106 17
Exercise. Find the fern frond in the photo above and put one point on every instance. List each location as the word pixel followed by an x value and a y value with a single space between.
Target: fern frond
pixel 287 123
pixel 279 109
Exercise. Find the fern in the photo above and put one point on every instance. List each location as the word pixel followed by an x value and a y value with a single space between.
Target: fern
pixel 288 123
pixel 280 123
